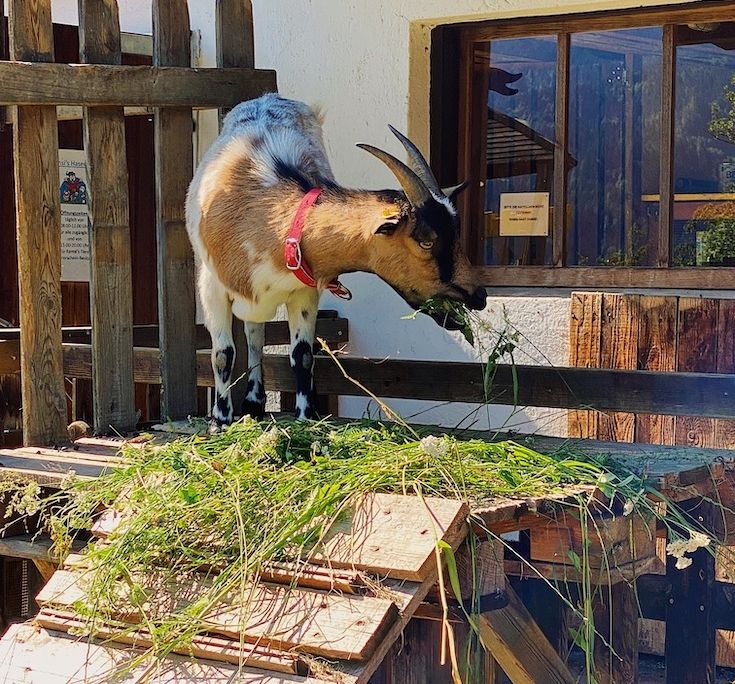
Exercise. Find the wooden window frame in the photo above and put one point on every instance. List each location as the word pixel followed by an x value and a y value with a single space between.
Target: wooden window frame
pixel 454 113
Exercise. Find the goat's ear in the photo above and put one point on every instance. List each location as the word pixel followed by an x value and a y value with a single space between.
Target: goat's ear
pixel 388 220
pixel 453 192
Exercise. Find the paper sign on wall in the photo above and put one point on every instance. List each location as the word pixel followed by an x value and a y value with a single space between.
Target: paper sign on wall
pixel 74 195
pixel 524 213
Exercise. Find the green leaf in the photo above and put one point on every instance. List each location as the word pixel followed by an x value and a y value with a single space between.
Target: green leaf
pixel 576 560
pixel 448 554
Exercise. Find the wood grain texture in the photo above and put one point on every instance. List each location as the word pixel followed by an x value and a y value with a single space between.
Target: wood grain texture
pixel 328 625
pixel 30 653
pixel 585 321
pixel 174 170
pixel 618 349
pixel 657 340
pixel 35 149
pixel 133 86
pixel 689 613
pixel 202 646
pixel 366 539
pixel 680 394
pixel 520 647
pixel 235 37
pixel 725 429
pixel 111 285
pixel 668 121
pixel 696 352
pixel 615 612
pixel 561 126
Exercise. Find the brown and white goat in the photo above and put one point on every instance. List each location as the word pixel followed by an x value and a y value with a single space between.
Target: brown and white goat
pixel 240 206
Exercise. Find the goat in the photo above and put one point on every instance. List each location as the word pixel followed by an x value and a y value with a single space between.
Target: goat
pixel 255 178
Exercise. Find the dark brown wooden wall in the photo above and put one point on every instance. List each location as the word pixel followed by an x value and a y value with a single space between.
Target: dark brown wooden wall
pixel 139 148
pixel 655 333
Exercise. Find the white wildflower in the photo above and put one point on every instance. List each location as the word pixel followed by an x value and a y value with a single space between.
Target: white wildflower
pixel 679 547
pixel 434 446
pixel 628 507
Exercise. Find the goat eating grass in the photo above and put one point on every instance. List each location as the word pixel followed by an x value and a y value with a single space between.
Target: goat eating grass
pixel 264 182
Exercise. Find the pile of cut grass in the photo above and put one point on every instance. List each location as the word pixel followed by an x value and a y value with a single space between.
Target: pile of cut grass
pixel 258 492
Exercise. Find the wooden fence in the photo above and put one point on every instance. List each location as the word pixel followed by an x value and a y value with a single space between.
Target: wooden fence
pixel 33 85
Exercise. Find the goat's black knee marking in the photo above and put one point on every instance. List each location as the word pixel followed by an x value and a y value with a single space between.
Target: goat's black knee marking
pixel 302 360
pixel 224 363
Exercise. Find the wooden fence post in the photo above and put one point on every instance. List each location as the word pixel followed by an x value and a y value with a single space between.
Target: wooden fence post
pixel 111 288
pixel 235 48
pixel 37 207
pixel 174 169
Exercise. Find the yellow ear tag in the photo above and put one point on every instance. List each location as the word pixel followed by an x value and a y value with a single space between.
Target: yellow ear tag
pixel 389 213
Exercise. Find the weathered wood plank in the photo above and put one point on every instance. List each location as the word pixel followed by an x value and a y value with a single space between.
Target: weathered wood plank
pixel 135 86
pixel 725 429
pixel 561 159
pixel 584 351
pixel 616 621
pixel 696 352
pixel 39 655
pixel 286 618
pixel 236 48
pixel 174 170
pixel 202 646
pixel 640 391
pixel 519 645
pixel 37 210
pixel 689 618
pixel 111 286
pixel 657 335
pixel 366 539
pixel 618 349
pixel 668 123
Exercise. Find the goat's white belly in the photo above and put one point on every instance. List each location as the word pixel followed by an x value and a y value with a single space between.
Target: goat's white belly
pixel 267 296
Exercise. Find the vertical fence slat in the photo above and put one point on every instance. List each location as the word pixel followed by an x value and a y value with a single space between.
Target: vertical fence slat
pixel 174 169
pixel 561 166
pixel 668 120
pixel 35 149
pixel 111 288
pixel 235 48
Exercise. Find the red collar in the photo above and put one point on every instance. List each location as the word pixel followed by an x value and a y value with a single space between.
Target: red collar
pixel 292 249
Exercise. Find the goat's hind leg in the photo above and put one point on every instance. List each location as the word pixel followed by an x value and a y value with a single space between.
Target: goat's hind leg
pixel 218 319
pixel 253 404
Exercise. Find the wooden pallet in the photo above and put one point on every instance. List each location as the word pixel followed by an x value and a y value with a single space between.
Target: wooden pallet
pixel 345 609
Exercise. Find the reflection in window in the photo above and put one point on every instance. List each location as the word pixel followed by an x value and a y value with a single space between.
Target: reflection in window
pixel 614 143
pixel 704 146
pixel 521 86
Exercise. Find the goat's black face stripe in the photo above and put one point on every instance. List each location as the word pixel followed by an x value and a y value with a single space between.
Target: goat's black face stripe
pixel 438 217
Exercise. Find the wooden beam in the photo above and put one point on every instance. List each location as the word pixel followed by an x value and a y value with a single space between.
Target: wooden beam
pixel 26 83
pixel 519 645
pixel 708 394
pixel 35 150
pixel 174 154
pixel 111 285
pixel 559 224
pixel 236 48
pixel 616 623
pixel 689 613
pixel 666 173
pixel 598 277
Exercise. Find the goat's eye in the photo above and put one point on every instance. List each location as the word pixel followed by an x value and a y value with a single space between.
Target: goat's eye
pixel 427 244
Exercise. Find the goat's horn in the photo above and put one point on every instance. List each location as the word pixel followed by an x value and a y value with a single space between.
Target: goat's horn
pixel 416 192
pixel 417 162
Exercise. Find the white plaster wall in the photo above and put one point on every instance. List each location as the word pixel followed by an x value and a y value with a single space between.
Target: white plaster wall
pixel 352 58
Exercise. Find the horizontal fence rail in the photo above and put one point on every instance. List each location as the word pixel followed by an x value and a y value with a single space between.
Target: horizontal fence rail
pixel 27 83
pixel 666 393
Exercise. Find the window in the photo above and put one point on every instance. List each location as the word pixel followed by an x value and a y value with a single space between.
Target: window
pixel 600 148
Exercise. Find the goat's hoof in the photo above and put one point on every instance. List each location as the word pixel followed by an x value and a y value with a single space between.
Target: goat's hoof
pixel 307 413
pixel 254 409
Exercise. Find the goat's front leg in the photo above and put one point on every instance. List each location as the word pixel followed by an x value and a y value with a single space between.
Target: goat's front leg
pixel 302 310
pixel 218 319
pixel 253 403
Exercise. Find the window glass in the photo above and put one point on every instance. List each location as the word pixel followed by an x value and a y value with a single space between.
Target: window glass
pixel 703 227
pixel 614 143
pixel 519 125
